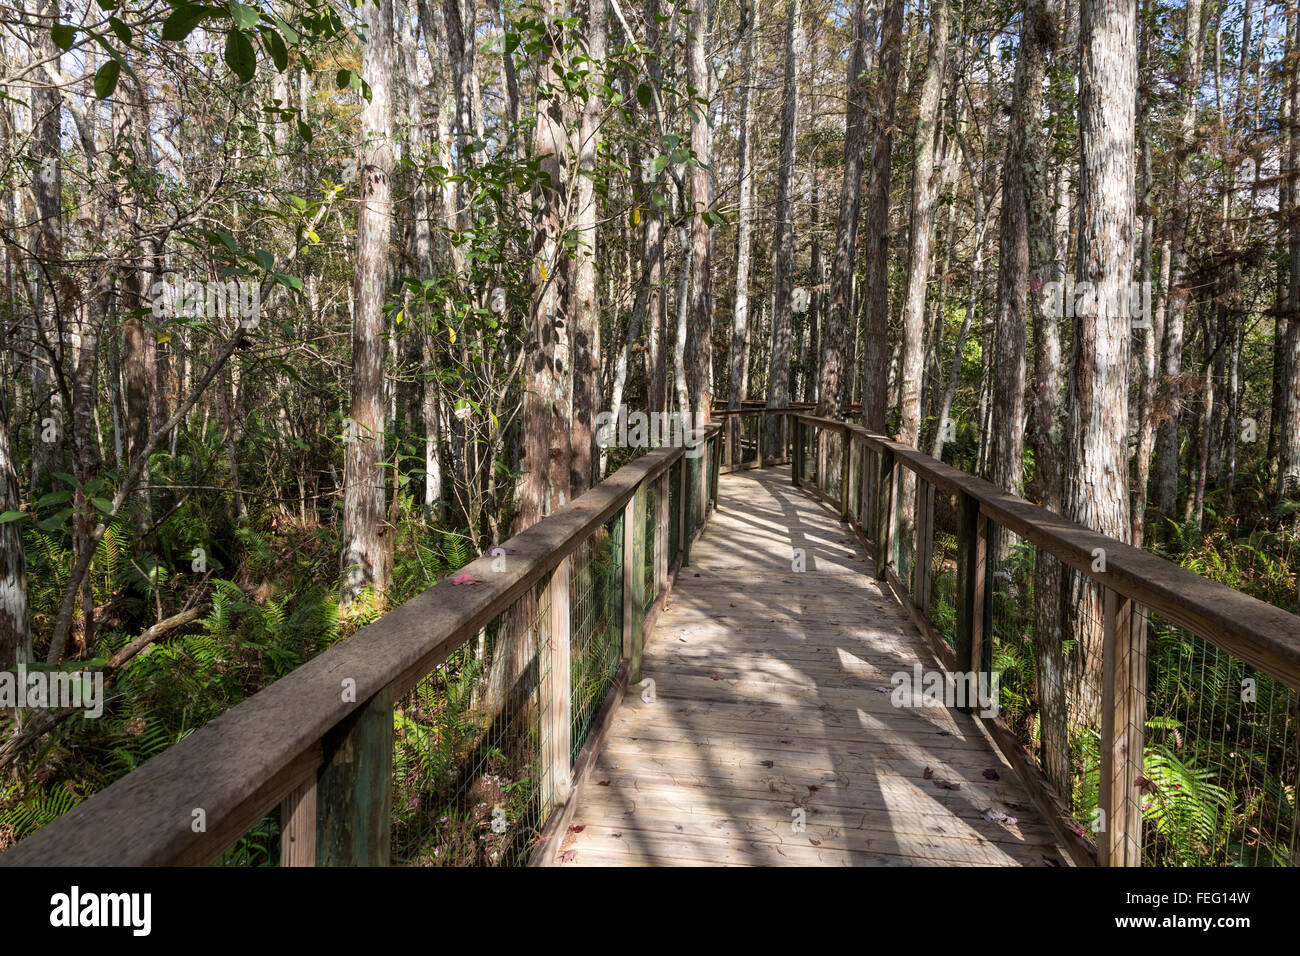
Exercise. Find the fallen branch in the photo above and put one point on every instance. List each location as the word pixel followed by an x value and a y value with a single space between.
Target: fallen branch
pixel 47 720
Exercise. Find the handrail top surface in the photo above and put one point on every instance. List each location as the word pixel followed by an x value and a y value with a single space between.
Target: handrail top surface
pixel 145 817
pixel 1265 636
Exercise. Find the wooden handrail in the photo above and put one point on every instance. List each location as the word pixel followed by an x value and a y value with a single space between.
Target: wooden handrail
pixel 190 803
pixel 1264 636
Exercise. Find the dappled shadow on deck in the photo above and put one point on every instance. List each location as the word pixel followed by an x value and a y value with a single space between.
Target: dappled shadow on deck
pixel 773 738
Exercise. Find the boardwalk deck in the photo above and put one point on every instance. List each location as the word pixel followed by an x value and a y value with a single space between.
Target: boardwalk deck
pixel 772 708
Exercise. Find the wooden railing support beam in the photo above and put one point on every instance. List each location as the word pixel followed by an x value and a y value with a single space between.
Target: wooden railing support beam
pixel 972 564
pixel 846 439
pixel 354 788
pixel 1123 716
pixel 557 717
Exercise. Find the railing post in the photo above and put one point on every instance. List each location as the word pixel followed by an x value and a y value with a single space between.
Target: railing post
pixel 684 513
pixel 924 545
pixel 796 452
pixel 884 530
pixel 972 550
pixel 846 438
pixel 633 582
pixel 557 728
pixel 354 788
pixel 298 826
pixel 662 558
pixel 1123 716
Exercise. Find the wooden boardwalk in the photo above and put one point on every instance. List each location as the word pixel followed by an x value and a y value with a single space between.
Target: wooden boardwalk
pixel 772 738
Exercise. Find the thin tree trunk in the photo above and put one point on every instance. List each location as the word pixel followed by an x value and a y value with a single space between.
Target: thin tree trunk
pixel 367 546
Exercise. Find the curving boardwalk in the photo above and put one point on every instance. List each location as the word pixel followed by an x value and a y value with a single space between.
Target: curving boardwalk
pixel 773 706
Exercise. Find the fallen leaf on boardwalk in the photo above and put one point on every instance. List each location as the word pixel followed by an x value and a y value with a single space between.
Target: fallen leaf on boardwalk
pixel 928 773
pixel 465 579
pixel 994 815
pixel 990 775
pixel 578 829
pixel 813 788
pixel 947 785
pixel 568 856
pixel 814 841
pixel 769 764
pixel 602 783
pixel 716 677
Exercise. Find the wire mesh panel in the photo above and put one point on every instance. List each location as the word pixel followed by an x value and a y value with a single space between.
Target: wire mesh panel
pixel 468 777
pixel 831 464
pixel 695 507
pixel 1220 763
pixel 808 451
pixel 1009 629
pixel 750 425
pixel 943 567
pixel 870 478
pixel 596 623
pixel 260 846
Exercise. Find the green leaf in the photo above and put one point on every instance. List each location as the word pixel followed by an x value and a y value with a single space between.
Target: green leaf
pixel 240 56
pixel 275 48
pixel 225 238
pixel 106 79
pixel 264 259
pixel 63 36
pixel 343 79
pixel 243 15
pixel 644 95
pixel 13 516
pixel 120 30
pixel 185 18
pixel 304 131
pixel 67 479
pixel 103 504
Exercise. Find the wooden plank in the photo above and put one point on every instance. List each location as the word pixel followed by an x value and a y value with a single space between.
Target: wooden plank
pixel 1123 714
pixel 354 789
pixel 557 739
pixel 298 826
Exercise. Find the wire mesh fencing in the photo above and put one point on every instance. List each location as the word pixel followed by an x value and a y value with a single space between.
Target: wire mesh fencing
pixel 1221 758
pixel 469 782
pixel 595 623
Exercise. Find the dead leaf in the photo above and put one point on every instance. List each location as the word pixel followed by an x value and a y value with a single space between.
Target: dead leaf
pixel 568 856
pixel 465 579
pixel 602 783
pixel 990 775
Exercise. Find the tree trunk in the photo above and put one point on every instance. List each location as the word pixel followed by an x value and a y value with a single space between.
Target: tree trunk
pixel 875 331
pixel 367 546
pixel 862 61
pixel 778 385
pixel 1096 487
